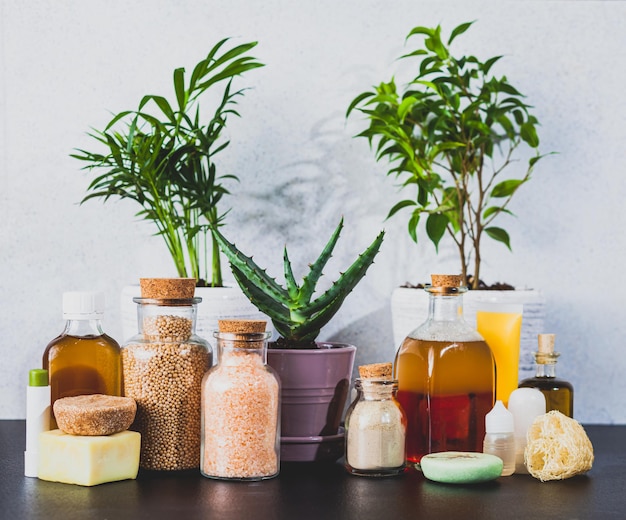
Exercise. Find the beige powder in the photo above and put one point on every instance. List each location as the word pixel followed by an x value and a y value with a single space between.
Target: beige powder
pixel 376 436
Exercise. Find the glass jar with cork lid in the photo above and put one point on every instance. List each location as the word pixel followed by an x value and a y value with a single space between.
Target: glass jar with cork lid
pixel 241 406
pixel 163 366
pixel 375 425
pixel 446 376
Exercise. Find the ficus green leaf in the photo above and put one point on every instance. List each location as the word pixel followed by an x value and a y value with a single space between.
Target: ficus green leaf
pixel 499 235
pixel 529 134
pixel 506 188
pixel 436 224
pixel 493 210
pixel 458 30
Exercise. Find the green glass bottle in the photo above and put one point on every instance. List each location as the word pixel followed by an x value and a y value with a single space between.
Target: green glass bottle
pixel 558 392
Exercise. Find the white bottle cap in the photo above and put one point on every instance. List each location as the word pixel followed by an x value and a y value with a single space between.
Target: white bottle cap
pixel 83 305
pixel 526 404
pixel 499 420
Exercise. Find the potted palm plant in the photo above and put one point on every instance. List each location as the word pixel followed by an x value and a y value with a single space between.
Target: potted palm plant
pixel 162 156
pixel 450 136
pixel 315 376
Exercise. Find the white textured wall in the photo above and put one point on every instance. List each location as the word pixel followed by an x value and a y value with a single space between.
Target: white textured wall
pixel 65 64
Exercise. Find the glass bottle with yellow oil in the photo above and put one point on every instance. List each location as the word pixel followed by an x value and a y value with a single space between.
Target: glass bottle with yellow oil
pixel 558 392
pixel 82 359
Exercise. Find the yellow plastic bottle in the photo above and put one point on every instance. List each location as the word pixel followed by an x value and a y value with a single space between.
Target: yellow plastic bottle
pixel 501 327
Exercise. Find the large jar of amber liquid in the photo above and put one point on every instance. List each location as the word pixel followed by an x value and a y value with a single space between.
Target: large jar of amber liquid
pixel 82 359
pixel 446 377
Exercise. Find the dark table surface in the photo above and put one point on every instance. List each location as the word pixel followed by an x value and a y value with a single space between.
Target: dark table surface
pixel 318 491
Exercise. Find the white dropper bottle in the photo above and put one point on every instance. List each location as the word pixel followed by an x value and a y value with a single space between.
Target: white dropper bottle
pixel 37 417
pixel 500 438
pixel 526 404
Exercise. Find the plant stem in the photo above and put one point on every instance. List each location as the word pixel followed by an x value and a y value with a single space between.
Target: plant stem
pixel 216 280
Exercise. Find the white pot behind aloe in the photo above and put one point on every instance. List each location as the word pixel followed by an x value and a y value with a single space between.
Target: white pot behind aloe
pixel 217 303
pixel 409 309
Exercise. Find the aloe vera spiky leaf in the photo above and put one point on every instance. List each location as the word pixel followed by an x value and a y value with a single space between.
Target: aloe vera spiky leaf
pixel 273 309
pixel 310 280
pixel 292 285
pixel 279 315
pixel 349 278
pixel 251 270
pixel 310 329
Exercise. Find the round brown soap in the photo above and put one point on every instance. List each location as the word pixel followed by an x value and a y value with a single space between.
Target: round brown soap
pixel 95 414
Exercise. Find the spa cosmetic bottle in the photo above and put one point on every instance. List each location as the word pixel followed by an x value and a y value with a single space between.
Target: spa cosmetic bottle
pixel 500 437
pixel 375 425
pixel 37 417
pixel 83 359
pixel 526 404
pixel 240 406
pixel 559 393
pixel 446 377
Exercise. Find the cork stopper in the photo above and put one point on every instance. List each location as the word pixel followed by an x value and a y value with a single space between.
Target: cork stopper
pixel 546 343
pixel 446 280
pixel 446 284
pixel 545 354
pixel 375 371
pixel 167 288
pixel 242 326
pixel 242 334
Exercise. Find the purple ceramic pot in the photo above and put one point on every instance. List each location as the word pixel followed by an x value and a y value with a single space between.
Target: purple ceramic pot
pixel 314 388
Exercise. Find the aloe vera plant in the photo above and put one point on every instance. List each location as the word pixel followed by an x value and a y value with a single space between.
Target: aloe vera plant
pixel 296 313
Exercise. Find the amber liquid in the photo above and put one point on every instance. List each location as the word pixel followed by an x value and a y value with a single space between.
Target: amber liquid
pixel 82 365
pixel 446 389
pixel 559 394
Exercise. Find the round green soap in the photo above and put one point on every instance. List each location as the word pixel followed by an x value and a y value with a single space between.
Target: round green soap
pixel 461 467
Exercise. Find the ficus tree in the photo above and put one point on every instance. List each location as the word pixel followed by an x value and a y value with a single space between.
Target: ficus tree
pixel 448 136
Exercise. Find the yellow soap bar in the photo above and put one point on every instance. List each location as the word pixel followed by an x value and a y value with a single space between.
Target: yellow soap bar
pixel 88 460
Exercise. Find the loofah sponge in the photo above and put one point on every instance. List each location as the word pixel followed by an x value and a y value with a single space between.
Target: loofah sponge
pixel 557 448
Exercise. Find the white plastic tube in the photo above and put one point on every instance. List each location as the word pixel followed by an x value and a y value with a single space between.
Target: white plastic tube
pixel 37 417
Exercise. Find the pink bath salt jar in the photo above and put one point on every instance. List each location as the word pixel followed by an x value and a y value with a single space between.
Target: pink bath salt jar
pixel 240 406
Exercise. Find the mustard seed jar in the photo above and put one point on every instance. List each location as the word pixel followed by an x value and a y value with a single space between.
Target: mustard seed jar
pixel 163 366
pixel 241 406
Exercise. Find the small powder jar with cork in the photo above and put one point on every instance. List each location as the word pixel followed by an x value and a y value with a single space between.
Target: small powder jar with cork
pixel 163 367
pixel 375 425
pixel 241 406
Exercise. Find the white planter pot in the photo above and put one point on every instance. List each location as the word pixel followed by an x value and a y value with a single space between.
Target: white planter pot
pixel 217 303
pixel 409 309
